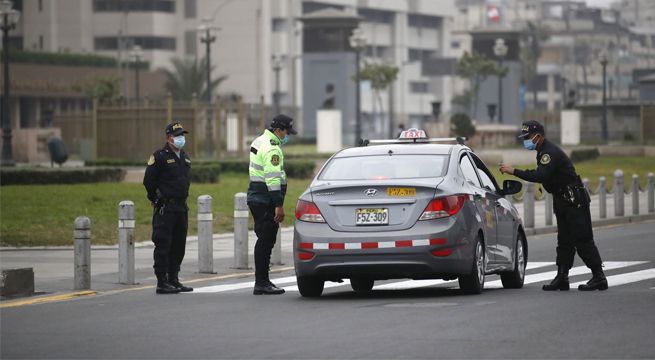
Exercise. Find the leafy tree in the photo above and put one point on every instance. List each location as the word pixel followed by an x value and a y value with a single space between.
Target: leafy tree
pixel 582 55
pixel 381 76
pixel 189 77
pixel 533 36
pixel 476 68
pixel 461 125
pixel 104 88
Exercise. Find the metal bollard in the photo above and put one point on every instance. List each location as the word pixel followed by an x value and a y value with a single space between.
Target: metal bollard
pixel 126 242
pixel 602 198
pixel 619 206
pixel 205 235
pixel 585 183
pixel 276 256
pixel 528 205
pixel 549 208
pixel 651 193
pixel 82 244
pixel 240 231
pixel 635 194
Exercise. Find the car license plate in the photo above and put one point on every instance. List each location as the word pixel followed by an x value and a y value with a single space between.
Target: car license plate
pixel 401 192
pixel 372 217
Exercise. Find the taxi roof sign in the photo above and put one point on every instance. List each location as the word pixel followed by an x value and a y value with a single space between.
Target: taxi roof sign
pixel 413 133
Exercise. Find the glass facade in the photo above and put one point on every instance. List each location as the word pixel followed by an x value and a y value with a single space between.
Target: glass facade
pixel 167 6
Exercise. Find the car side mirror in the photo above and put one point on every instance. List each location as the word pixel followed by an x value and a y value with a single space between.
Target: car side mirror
pixel 511 187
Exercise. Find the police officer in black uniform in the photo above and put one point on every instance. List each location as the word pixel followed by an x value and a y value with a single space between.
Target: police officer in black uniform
pixel 167 182
pixel 571 204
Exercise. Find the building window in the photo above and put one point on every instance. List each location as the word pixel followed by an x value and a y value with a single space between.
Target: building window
pixel 424 21
pixel 373 51
pixel 279 25
pixel 419 54
pixel 376 16
pixel 418 87
pixel 190 9
pixel 167 6
pixel 146 42
pixel 40 42
pixel 455 44
pixel 190 42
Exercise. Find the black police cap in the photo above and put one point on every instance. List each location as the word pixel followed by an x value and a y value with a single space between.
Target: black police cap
pixel 531 127
pixel 283 122
pixel 175 129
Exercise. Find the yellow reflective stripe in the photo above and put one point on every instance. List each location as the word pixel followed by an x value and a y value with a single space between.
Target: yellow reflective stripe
pixel 256 166
pixel 274 174
pixel 274 187
pixel 257 178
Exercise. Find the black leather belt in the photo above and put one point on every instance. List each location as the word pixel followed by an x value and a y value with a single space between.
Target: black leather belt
pixel 180 201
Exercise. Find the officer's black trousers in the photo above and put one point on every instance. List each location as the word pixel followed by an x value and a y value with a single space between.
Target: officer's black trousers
pixel 266 231
pixel 574 232
pixel 169 230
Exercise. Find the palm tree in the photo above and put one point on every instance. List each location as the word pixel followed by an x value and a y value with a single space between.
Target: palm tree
pixel 189 77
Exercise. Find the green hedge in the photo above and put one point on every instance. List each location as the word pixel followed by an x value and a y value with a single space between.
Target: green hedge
pixel 205 173
pixel 579 155
pixel 32 176
pixel 65 59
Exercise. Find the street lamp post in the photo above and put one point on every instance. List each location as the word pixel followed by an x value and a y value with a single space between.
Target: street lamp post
pixel 500 50
pixel 603 62
pixel 357 43
pixel 277 67
pixel 8 20
pixel 208 39
pixel 136 55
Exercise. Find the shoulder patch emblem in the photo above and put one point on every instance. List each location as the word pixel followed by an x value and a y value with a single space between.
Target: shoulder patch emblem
pixel 187 160
pixel 273 142
pixel 275 160
pixel 545 159
pixel 151 161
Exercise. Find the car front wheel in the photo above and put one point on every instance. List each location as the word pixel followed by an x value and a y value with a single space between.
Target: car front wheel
pixel 309 286
pixel 514 279
pixel 473 283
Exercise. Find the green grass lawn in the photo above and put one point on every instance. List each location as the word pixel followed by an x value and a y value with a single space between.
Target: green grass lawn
pixel 35 215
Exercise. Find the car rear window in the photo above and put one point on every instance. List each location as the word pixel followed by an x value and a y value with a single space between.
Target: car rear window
pixel 385 167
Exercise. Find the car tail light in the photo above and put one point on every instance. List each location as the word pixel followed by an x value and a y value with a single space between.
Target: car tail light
pixel 442 252
pixel 308 211
pixel 443 207
pixel 305 255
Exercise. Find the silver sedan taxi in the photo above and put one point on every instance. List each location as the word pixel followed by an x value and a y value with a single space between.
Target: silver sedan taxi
pixel 411 207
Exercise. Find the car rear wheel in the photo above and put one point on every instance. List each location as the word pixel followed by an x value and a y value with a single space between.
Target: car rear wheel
pixel 362 285
pixel 474 282
pixel 514 279
pixel 309 286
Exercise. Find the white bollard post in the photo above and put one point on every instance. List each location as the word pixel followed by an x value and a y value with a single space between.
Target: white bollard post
pixel 205 235
pixel 619 205
pixel 276 256
pixel 602 198
pixel 528 205
pixel 82 244
pixel 126 242
pixel 240 231
pixel 635 194
pixel 549 208
pixel 651 192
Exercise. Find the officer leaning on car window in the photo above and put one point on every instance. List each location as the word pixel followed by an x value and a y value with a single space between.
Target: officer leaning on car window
pixel 268 186
pixel 167 182
pixel 571 204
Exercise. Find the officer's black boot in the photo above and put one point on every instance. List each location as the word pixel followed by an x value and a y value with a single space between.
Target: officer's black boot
pixel 267 288
pixel 597 282
pixel 174 280
pixel 560 282
pixel 164 287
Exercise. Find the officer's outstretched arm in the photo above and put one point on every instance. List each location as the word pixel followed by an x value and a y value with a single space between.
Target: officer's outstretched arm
pixel 543 172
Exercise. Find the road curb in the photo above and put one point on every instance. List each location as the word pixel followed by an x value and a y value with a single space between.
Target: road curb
pixel 595 223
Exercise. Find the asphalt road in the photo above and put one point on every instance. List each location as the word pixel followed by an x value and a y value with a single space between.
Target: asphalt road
pixel 223 320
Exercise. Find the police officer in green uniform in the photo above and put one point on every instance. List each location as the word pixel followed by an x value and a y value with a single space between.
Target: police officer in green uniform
pixel 571 204
pixel 167 182
pixel 268 186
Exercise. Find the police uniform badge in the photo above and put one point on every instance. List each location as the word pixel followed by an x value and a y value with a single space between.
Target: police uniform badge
pixel 273 142
pixel 151 161
pixel 275 160
pixel 545 159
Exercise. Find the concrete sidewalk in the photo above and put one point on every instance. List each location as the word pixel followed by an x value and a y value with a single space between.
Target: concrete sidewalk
pixel 53 266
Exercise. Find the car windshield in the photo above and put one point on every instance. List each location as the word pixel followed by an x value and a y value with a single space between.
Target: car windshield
pixel 381 167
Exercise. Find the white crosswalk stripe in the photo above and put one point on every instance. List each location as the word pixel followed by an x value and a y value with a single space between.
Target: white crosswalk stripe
pixel 613 280
pixel 622 279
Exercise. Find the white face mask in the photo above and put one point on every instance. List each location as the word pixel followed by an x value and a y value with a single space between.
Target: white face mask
pixel 179 141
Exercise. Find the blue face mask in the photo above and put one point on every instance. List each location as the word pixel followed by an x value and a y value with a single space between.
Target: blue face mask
pixel 284 140
pixel 528 144
pixel 179 141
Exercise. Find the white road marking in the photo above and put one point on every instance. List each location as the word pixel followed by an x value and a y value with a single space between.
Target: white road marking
pixel 627 278
pixel 409 284
pixel 536 265
pixel 580 270
pixel 238 286
pixel 328 284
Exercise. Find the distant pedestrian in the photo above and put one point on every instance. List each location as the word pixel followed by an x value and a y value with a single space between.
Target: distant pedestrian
pixel 571 204
pixel 167 182
pixel 268 186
